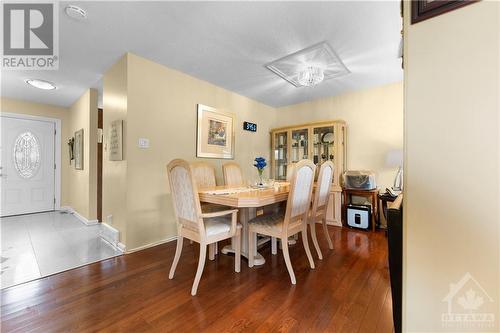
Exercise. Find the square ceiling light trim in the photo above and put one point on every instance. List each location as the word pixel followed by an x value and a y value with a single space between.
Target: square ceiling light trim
pixel 319 55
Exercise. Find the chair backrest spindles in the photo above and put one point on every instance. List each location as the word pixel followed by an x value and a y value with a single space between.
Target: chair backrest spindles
pixel 232 174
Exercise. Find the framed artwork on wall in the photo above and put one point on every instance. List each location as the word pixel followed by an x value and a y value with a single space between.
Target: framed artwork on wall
pixel 78 150
pixel 115 141
pixel 425 9
pixel 215 133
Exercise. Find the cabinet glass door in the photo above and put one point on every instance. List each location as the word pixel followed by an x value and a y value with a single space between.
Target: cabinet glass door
pixel 323 144
pixel 299 145
pixel 280 155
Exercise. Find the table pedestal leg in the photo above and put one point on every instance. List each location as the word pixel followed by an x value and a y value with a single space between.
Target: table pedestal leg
pixel 243 217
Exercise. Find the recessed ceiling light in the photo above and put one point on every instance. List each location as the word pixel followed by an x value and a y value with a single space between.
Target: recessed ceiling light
pixel 75 12
pixel 41 84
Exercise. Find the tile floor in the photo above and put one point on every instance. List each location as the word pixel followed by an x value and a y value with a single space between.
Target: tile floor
pixel 39 245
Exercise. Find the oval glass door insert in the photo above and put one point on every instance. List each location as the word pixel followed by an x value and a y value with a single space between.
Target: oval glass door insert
pixel 26 155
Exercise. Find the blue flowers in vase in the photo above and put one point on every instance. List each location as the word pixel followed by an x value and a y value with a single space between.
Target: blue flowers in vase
pixel 260 164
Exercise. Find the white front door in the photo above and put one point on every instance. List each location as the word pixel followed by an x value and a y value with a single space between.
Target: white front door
pixel 27 166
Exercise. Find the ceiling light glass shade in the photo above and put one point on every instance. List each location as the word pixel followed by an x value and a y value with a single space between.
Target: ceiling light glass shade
pixel 310 76
pixel 75 12
pixel 41 84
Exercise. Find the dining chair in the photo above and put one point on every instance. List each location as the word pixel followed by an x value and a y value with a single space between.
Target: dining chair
pixel 293 221
pixel 204 175
pixel 289 171
pixel 232 174
pixel 320 204
pixel 292 240
pixel 203 228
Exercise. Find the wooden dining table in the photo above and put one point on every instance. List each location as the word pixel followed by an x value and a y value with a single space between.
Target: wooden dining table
pixel 245 199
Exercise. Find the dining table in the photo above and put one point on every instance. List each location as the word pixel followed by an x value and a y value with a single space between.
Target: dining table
pixel 246 199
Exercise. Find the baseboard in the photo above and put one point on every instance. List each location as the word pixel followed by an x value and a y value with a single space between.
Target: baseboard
pixel 166 240
pixel 82 218
pixel 110 235
pixel 120 246
pixel 67 209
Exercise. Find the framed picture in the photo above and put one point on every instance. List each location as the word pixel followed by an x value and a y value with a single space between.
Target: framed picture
pixel 425 9
pixel 115 140
pixel 215 133
pixel 78 150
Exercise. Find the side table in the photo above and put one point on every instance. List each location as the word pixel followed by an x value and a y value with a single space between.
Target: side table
pixel 372 195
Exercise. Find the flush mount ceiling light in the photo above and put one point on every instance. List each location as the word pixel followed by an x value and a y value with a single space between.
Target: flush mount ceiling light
pixel 310 76
pixel 310 66
pixel 41 84
pixel 75 12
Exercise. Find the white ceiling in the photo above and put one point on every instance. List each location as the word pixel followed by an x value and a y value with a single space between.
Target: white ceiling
pixel 225 43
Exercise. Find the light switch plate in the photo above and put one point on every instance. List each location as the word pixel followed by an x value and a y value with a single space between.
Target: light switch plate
pixel 143 143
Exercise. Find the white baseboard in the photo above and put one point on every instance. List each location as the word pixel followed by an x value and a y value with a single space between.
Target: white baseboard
pixel 110 234
pixel 120 246
pixel 82 218
pixel 166 240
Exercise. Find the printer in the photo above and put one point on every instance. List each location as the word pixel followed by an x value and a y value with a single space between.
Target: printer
pixel 359 180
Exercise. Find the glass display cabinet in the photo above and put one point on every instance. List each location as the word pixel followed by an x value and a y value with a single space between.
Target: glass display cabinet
pixel 280 155
pixel 319 142
pixel 299 144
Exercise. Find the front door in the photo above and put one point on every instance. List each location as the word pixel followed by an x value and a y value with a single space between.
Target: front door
pixel 27 166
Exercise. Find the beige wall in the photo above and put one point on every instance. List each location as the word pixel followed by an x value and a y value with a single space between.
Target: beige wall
pixel 50 111
pixel 83 183
pixel 451 203
pixel 114 173
pixel 161 105
pixel 374 125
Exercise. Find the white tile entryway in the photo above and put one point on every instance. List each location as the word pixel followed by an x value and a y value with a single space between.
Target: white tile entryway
pixel 39 245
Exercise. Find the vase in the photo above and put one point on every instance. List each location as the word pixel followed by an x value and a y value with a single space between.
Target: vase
pixel 261 171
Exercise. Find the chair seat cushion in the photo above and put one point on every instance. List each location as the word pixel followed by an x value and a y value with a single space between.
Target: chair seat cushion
pixel 268 221
pixel 272 222
pixel 217 225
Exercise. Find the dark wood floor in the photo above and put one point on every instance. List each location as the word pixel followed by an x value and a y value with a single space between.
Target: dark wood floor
pixel 349 291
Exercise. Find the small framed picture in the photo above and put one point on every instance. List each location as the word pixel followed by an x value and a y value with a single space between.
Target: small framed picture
pixel 215 133
pixel 78 150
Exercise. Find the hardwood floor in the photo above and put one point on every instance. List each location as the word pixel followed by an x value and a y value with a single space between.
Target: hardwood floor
pixel 349 291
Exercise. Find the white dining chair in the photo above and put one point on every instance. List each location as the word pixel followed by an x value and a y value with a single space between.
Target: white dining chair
pixel 232 174
pixel 203 228
pixel 293 221
pixel 204 175
pixel 320 204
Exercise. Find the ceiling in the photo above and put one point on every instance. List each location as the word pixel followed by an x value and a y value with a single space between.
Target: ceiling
pixel 225 43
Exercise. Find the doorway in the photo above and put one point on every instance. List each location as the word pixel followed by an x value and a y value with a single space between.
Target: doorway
pixel 28 170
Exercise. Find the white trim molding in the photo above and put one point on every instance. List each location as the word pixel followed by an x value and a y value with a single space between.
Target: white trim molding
pixel 110 234
pixel 147 246
pixel 120 246
pixel 82 218
pixel 57 149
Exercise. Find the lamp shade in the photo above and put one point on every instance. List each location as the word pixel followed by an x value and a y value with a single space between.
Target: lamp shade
pixel 394 158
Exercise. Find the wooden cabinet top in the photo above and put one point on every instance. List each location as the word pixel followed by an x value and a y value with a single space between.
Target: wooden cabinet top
pixel 314 124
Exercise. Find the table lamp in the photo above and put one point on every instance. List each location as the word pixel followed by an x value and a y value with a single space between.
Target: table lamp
pixel 394 158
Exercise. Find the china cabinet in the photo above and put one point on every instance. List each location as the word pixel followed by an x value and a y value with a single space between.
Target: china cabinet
pixel 319 142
